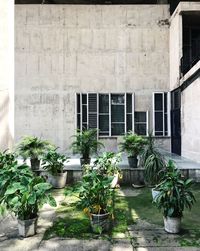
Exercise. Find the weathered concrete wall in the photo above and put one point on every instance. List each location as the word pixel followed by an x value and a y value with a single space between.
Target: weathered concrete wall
pixel 64 49
pixel 6 73
pixel 191 121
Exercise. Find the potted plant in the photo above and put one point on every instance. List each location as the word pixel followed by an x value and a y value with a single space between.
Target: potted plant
pixel 86 144
pixel 132 144
pixel 54 162
pixel 154 171
pixel 175 195
pixel 33 148
pixel 23 194
pixel 107 164
pixel 96 199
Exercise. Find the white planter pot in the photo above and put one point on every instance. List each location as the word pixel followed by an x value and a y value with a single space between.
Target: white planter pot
pixel 155 193
pixel 100 220
pixel 27 227
pixel 115 180
pixel 58 181
pixel 172 225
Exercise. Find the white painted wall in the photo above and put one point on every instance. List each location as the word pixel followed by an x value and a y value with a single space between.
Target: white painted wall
pixel 64 49
pixel 191 121
pixel 6 73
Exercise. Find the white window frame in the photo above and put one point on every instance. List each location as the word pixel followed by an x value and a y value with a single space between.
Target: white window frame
pixel 168 114
pixel 110 122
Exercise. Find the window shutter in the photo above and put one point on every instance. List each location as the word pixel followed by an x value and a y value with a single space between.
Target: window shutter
pixel 92 110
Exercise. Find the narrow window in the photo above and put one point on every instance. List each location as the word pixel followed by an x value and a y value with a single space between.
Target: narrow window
pixel 141 123
pixel 104 114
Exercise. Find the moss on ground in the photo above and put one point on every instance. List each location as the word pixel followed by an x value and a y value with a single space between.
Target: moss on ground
pixel 71 222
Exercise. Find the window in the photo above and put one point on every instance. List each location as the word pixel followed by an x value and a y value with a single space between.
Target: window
pixel 161 114
pixel 112 113
pixel 141 123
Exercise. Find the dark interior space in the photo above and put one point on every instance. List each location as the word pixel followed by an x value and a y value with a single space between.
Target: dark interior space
pixel 191 40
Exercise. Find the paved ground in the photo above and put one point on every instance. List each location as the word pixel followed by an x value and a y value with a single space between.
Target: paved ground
pixel 141 237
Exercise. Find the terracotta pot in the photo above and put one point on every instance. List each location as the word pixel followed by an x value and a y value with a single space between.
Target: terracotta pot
pixel 58 181
pixel 27 227
pixel 172 224
pixel 100 221
pixel 133 161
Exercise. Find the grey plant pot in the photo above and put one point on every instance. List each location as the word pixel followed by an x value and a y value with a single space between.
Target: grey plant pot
pixel 85 161
pixel 35 164
pixel 133 161
pixel 100 221
pixel 58 181
pixel 27 227
pixel 172 224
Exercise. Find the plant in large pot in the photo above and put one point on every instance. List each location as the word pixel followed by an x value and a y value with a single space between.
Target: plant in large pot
pixel 133 145
pixel 86 144
pixel 54 162
pixel 33 148
pixel 23 194
pixel 174 196
pixel 108 164
pixel 96 199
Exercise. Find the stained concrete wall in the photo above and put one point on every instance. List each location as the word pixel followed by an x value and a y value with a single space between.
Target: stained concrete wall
pixel 64 49
pixel 6 73
pixel 190 116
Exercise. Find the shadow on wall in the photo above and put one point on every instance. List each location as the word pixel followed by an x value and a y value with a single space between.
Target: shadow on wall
pixel 6 138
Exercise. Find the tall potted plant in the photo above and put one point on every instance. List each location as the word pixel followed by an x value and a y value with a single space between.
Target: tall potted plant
pixel 34 149
pixel 86 144
pixel 54 162
pixel 23 194
pixel 108 164
pixel 133 145
pixel 174 196
pixel 96 199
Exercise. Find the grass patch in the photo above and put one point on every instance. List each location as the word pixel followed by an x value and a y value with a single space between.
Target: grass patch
pixel 71 222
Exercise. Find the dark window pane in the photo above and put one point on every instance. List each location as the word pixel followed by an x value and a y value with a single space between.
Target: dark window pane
pixel 129 103
pixel 158 101
pixel 101 133
pixel 165 102
pixel 117 99
pixel 104 122
pixel 78 103
pixel 84 126
pixel 78 121
pixel 158 134
pixel 103 103
pixel 140 116
pixel 140 129
pixel 117 129
pixel 158 121
pixel 117 113
pixel 84 98
pixel 92 102
pixel 84 113
pixel 129 122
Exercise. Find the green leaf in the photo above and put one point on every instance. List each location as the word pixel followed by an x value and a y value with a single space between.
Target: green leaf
pixel 32 199
pixel 52 201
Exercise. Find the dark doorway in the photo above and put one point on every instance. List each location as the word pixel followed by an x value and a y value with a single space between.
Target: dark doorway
pixel 176 121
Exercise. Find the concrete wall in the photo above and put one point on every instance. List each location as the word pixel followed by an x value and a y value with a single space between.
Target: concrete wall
pixel 64 49
pixel 6 73
pixel 191 121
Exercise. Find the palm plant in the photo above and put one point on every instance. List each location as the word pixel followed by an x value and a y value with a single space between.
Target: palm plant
pixel 86 144
pixel 33 148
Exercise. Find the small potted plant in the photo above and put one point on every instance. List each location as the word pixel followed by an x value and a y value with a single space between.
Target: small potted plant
pixel 107 164
pixel 174 196
pixel 133 144
pixel 34 149
pixel 96 199
pixel 23 194
pixel 54 162
pixel 86 144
